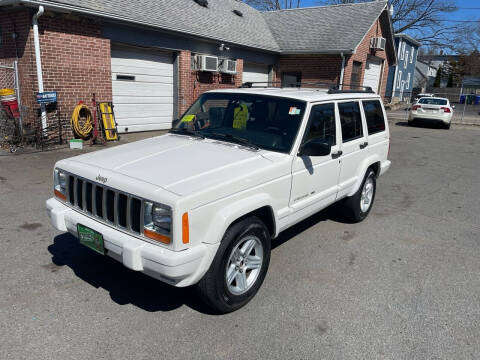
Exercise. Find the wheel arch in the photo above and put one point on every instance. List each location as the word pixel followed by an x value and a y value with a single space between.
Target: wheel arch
pixel 373 162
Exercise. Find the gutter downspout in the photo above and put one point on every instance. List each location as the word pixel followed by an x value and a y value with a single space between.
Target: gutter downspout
pixel 342 71
pixel 38 60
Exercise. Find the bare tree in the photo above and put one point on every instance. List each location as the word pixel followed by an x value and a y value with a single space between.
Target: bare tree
pixel 427 20
pixel 273 4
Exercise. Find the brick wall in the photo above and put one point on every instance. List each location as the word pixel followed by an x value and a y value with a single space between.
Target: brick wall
pixel 75 60
pixel 362 53
pixel 194 83
pixel 314 68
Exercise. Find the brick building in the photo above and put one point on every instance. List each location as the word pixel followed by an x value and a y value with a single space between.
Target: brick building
pixel 142 55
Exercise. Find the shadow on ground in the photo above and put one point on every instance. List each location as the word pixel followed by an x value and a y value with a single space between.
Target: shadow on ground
pixel 422 124
pixel 126 286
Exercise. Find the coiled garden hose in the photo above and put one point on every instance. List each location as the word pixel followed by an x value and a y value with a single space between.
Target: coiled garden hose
pixel 82 121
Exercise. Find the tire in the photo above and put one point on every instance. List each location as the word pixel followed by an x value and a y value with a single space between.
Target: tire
pixel 356 208
pixel 215 289
pixel 447 126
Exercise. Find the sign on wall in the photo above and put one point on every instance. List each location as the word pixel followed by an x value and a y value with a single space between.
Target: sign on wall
pixel 47 97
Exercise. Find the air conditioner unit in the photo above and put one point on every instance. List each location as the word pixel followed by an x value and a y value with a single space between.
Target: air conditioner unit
pixel 206 63
pixel 228 66
pixel 377 43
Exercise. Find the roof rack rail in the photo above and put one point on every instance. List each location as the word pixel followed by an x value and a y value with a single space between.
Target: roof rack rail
pixel 348 88
pixel 332 88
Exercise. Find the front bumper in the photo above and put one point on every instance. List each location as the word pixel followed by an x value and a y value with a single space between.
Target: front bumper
pixel 178 268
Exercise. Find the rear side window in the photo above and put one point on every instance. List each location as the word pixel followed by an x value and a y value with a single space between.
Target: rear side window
pixel 321 124
pixel 374 116
pixel 351 120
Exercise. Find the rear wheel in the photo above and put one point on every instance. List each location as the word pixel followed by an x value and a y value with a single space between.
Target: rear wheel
pixel 358 206
pixel 239 267
pixel 447 126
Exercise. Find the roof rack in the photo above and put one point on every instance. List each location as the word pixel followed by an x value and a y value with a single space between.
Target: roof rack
pixel 331 88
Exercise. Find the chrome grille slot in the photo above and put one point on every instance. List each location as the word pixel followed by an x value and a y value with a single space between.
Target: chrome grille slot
pixel 110 206
pixel 135 214
pixel 122 209
pixel 79 197
pixel 71 190
pixel 99 201
pixel 89 197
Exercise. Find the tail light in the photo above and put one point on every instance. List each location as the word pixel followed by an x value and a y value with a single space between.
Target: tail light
pixel 446 109
pixel 415 107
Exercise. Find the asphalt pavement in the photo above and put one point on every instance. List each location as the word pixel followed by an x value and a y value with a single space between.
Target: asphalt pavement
pixel 403 284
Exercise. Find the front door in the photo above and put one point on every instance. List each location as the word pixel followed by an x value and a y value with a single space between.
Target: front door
pixel 315 178
pixel 353 145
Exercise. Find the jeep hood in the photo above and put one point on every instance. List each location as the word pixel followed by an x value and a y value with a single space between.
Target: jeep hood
pixel 178 163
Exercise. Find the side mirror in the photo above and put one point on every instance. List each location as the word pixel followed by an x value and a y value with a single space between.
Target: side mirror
pixel 315 147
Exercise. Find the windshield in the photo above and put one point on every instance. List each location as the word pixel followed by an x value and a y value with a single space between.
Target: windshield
pixel 432 101
pixel 259 121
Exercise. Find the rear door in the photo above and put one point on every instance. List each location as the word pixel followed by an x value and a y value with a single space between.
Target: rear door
pixel 376 127
pixel 314 178
pixel 353 146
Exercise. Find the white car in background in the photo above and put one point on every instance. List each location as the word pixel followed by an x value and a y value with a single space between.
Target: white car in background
pixel 432 109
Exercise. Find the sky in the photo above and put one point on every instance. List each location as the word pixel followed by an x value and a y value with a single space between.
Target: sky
pixel 461 14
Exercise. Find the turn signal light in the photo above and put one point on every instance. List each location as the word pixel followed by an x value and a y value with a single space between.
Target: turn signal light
pixel 185 229
pixel 156 236
pixel 59 195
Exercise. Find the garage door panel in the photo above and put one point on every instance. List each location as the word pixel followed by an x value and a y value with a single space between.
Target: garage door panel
pixel 373 69
pixel 162 79
pixel 146 102
pixel 126 111
pixel 255 72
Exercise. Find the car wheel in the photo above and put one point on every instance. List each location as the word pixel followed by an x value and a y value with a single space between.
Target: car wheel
pixel 410 122
pixel 447 126
pixel 239 267
pixel 358 206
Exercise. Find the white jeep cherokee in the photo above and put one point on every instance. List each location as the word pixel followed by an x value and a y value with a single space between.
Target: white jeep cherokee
pixel 201 204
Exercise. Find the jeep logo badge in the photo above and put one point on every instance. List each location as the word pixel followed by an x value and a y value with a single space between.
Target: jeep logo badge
pixel 101 179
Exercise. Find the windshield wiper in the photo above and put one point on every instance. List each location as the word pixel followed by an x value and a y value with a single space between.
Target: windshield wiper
pixel 234 139
pixel 185 131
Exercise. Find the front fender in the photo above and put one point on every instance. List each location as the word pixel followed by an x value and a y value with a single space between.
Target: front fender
pixel 365 164
pixel 226 214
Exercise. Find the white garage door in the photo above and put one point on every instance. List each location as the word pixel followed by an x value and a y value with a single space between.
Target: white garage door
pixel 255 72
pixel 373 71
pixel 142 86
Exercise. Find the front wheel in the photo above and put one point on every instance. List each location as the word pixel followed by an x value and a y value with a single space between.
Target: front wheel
pixel 239 267
pixel 358 206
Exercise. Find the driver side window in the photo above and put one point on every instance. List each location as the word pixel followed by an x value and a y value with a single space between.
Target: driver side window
pixel 321 124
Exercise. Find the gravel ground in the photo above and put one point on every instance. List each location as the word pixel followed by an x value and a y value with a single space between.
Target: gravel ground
pixel 404 284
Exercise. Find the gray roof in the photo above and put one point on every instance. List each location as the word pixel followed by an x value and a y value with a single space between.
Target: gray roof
pixel 216 22
pixel 409 38
pixel 323 28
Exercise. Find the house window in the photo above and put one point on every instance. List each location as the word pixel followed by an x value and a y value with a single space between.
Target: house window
pixel 403 51
pixel 291 79
pixel 356 71
pixel 408 81
pixel 405 63
pixel 411 56
pixel 399 79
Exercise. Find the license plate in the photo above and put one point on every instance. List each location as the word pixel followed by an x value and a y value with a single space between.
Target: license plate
pixel 91 238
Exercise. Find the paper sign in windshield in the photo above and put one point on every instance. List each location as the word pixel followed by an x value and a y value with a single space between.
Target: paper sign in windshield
pixel 294 111
pixel 188 118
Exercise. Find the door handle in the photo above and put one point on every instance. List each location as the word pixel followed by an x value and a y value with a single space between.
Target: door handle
pixel 337 154
pixel 363 145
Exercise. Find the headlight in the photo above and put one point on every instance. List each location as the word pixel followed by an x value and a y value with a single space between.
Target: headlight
pixel 157 222
pixel 60 184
